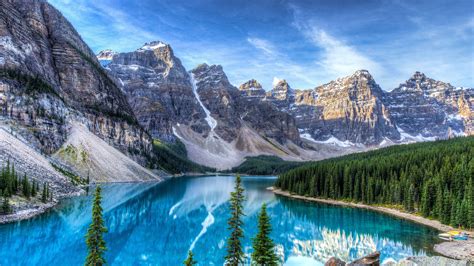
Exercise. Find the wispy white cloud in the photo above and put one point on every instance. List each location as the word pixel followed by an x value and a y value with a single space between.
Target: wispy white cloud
pixel 338 58
pixel 104 25
pixel 263 45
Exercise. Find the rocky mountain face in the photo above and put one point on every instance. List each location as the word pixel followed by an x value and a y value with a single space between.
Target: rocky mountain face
pixel 348 109
pixel 428 108
pixel 159 89
pixel 355 110
pixel 232 109
pixel 162 94
pixel 281 95
pixel 106 55
pixel 49 78
pixel 252 88
pixel 206 112
pixel 201 108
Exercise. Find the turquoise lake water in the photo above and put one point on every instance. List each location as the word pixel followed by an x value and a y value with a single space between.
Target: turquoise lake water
pixel 156 224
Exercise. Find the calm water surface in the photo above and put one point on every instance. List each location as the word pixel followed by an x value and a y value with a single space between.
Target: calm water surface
pixel 156 224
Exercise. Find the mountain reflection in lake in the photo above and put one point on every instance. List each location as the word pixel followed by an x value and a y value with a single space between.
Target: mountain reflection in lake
pixel 156 224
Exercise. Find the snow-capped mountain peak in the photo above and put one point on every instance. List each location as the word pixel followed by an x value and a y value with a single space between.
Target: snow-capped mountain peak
pixel 106 54
pixel 151 46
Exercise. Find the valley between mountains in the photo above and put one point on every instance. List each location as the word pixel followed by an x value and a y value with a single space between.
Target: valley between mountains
pixel 140 115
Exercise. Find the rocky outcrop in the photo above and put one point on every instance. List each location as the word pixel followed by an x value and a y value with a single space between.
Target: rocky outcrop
pixel 252 88
pixel 159 89
pixel 348 109
pixel 334 262
pixel 424 107
pixel 372 259
pixel 49 77
pixel 281 95
pixel 106 55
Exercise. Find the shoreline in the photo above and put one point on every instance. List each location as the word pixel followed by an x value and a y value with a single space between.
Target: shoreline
pixel 29 213
pixel 461 250
pixel 36 210
pixel 393 212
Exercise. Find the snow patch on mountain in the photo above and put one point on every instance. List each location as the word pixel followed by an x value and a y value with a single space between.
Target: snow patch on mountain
pixel 210 120
pixel 331 141
pixel 152 46
pixel 405 137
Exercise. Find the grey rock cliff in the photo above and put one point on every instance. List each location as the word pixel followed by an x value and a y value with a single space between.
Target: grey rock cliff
pixel 50 76
pixel 429 108
pixel 158 88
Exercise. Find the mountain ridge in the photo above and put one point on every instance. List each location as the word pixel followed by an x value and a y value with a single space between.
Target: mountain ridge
pixel 351 112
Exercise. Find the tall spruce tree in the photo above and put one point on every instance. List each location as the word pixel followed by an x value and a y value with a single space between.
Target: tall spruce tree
pixel 33 189
pixel 94 237
pixel 235 254
pixel 6 208
pixel 263 246
pixel 190 259
pixel 26 187
pixel 44 195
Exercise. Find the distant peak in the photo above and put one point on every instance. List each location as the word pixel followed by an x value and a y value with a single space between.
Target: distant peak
pixel 151 46
pixel 106 54
pixel 206 67
pixel 251 84
pixel 278 82
pixel 362 72
pixel 418 76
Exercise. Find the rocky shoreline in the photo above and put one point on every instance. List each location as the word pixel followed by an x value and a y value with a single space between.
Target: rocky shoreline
pixel 34 210
pixel 456 249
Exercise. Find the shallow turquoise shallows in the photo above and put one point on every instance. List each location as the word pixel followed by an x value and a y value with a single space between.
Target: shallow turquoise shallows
pixel 156 224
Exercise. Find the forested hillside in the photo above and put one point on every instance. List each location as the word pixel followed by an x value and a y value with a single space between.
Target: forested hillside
pixel 264 165
pixel 434 179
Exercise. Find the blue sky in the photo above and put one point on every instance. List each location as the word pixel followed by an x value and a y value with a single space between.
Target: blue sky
pixel 308 43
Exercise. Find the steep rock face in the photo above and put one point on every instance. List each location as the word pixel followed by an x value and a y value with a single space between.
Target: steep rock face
pixel 425 107
pixel 220 98
pixel 49 76
pixel 281 95
pixel 349 109
pixel 158 88
pixel 252 88
pixel 232 109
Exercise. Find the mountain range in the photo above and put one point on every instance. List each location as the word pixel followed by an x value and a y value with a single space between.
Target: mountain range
pixel 221 124
pixel 101 115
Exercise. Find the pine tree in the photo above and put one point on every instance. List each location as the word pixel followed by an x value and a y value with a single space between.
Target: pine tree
pixel 33 189
pixel 94 237
pixel 190 260
pixel 6 209
pixel 26 187
pixel 263 246
pixel 235 254
pixel 44 195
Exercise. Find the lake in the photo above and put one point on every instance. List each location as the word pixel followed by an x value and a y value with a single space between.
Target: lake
pixel 156 224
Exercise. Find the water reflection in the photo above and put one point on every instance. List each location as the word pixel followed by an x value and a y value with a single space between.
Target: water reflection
pixel 155 224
